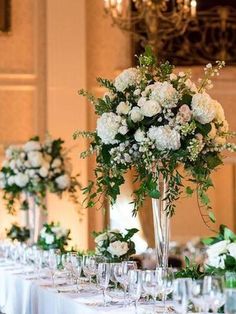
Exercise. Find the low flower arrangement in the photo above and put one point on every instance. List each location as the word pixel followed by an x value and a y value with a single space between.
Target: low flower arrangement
pixel 114 245
pixel 221 252
pixel 33 169
pixel 153 120
pixel 53 236
pixel 18 233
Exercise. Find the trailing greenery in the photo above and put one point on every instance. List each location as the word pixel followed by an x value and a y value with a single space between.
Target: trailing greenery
pixel 18 233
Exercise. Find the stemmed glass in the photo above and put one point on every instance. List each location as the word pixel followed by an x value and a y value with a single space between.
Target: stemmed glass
pixel 135 286
pixel 121 275
pixel 76 262
pixel 151 284
pixel 103 277
pixel 181 294
pixel 214 287
pixel 89 267
pixel 165 279
pixel 52 265
pixel 200 295
pixel 113 277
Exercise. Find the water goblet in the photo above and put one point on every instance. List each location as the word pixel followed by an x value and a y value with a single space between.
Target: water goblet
pixel 151 284
pixel 181 294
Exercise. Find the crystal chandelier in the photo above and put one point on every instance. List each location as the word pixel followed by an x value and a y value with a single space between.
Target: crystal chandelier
pixel 151 22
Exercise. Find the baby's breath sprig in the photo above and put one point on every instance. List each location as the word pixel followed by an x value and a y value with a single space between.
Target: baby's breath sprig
pixel 209 72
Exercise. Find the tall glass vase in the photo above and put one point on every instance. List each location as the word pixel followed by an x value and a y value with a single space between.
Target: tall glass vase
pixel 34 218
pixel 161 224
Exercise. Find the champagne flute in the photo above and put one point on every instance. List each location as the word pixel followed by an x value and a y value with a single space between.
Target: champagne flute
pixel 52 265
pixel 135 286
pixel 77 263
pixel 103 276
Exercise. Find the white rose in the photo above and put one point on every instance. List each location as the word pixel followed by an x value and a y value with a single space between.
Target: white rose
pixel 101 237
pixel 203 108
pixel 232 249
pixel 35 158
pixel 49 239
pixel 125 79
pixel 118 248
pixel 173 77
pixel 212 133
pixel 123 129
pixel 31 146
pixel 136 114
pixel 11 180
pixel 165 137
pixel 9 151
pixel 165 94
pixel 43 172
pixel 219 111
pixel 139 135
pixel 123 108
pixel 31 173
pixel 21 180
pixel 217 248
pixel 12 164
pixel 63 181
pixel 219 140
pixel 56 163
pixel 150 108
pixel 107 127
pixel 216 261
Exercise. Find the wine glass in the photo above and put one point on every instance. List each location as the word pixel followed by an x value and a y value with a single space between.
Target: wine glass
pixel 121 274
pixel 135 286
pixel 112 276
pixel 89 267
pixel 52 265
pixel 181 294
pixel 214 288
pixel 151 284
pixel 165 279
pixel 103 277
pixel 76 262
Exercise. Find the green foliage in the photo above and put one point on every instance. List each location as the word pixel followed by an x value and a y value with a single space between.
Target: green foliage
pixel 191 270
pixel 18 233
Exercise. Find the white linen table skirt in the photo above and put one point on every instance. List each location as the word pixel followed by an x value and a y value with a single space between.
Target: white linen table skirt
pixel 26 295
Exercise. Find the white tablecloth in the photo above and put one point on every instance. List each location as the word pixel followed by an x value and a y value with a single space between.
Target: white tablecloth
pixel 21 294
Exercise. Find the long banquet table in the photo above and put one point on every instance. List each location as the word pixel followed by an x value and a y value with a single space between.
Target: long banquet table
pixel 30 294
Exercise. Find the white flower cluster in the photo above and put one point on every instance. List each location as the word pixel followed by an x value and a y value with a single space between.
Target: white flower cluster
pixel 51 234
pixel 115 248
pixel 32 164
pixel 217 253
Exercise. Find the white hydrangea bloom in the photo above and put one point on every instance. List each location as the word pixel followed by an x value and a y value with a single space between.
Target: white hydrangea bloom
pixel 11 180
pixel 150 108
pixel 35 158
pixel 136 114
pixel 217 248
pixel 203 108
pixel 165 137
pixel 232 249
pixel 107 127
pixel 139 135
pixel 21 180
pixel 165 94
pixel 118 248
pixel 31 146
pixel 63 181
pixel 123 108
pixel 126 78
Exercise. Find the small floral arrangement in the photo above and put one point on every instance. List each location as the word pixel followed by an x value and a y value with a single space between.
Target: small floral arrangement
pixel 53 236
pixel 153 120
pixel 33 169
pixel 18 233
pixel 221 251
pixel 115 245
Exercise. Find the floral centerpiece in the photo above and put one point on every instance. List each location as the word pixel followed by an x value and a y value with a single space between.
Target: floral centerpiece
pixel 53 236
pixel 18 233
pixel 33 169
pixel 153 120
pixel 221 251
pixel 114 245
